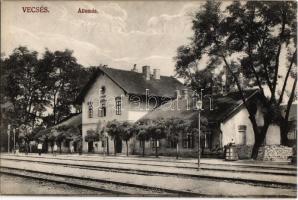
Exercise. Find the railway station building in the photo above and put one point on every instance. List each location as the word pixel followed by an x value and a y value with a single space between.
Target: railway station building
pixel 113 94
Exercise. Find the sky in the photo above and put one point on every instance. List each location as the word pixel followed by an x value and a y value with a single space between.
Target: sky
pixel 121 34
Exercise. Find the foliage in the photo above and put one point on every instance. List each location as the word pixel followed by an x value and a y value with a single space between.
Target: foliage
pixel 73 134
pixel 25 133
pixel 126 132
pixel 101 130
pixel 42 134
pixel 91 136
pixel 247 39
pixel 22 85
pixel 53 135
pixel 157 129
pixel 142 132
pixel 112 129
pixel 36 86
pixel 65 78
pixel 176 127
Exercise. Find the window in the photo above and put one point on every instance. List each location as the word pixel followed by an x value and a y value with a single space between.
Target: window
pixel 118 105
pixel 90 109
pixel 188 141
pixel 102 110
pixel 172 144
pixel 67 143
pixel 102 90
pixel 242 134
pixel 155 143
pixel 207 139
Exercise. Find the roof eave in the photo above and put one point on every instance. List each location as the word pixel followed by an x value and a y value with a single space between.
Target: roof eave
pixel 230 114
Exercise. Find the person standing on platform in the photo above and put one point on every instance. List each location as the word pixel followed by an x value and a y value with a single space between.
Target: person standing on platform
pixel 55 149
pixel 39 147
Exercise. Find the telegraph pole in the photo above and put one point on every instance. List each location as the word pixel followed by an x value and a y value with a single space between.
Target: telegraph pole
pixel 14 140
pixel 199 139
pixel 8 139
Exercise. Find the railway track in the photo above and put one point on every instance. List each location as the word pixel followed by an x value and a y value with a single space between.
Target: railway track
pixel 204 166
pixel 157 173
pixel 110 188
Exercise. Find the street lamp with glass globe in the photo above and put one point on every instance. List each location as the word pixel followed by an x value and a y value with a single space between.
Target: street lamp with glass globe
pixel 199 105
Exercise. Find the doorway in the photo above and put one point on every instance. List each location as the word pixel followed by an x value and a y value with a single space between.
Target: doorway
pixel 90 147
pixel 118 145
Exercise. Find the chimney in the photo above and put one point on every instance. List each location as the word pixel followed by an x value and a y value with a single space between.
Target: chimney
pixel 134 69
pixel 156 73
pixel 146 72
pixel 184 93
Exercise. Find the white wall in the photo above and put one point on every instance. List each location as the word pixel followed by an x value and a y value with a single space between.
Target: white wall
pixel 230 129
pixel 112 91
pixel 135 115
pixel 130 112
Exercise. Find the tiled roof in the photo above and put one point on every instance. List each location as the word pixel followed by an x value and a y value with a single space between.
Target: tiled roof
pixel 223 107
pixel 134 83
pixel 73 120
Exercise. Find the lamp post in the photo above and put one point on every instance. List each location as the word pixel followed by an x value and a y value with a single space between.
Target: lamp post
pixel 199 106
pixel 14 140
pixel 8 135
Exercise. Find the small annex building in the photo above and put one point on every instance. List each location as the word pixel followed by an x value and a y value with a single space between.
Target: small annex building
pixel 227 121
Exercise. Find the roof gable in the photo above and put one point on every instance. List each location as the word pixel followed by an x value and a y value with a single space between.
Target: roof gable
pixel 134 83
pixel 72 120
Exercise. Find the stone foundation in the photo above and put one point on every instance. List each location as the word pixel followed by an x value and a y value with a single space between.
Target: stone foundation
pixel 275 153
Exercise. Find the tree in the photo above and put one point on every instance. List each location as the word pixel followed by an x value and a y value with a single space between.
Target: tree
pixel 91 136
pixel 157 131
pixel 42 133
pixel 199 133
pixel 243 40
pixel 26 135
pixel 112 129
pixel 53 136
pixel 126 132
pixel 175 128
pixel 63 134
pixel 101 131
pixel 142 133
pixel 73 132
pixel 21 87
pixel 65 78
pixel 36 86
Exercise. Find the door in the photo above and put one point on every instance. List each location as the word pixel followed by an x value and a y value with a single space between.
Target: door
pixel 75 146
pixel 118 145
pixel 90 147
